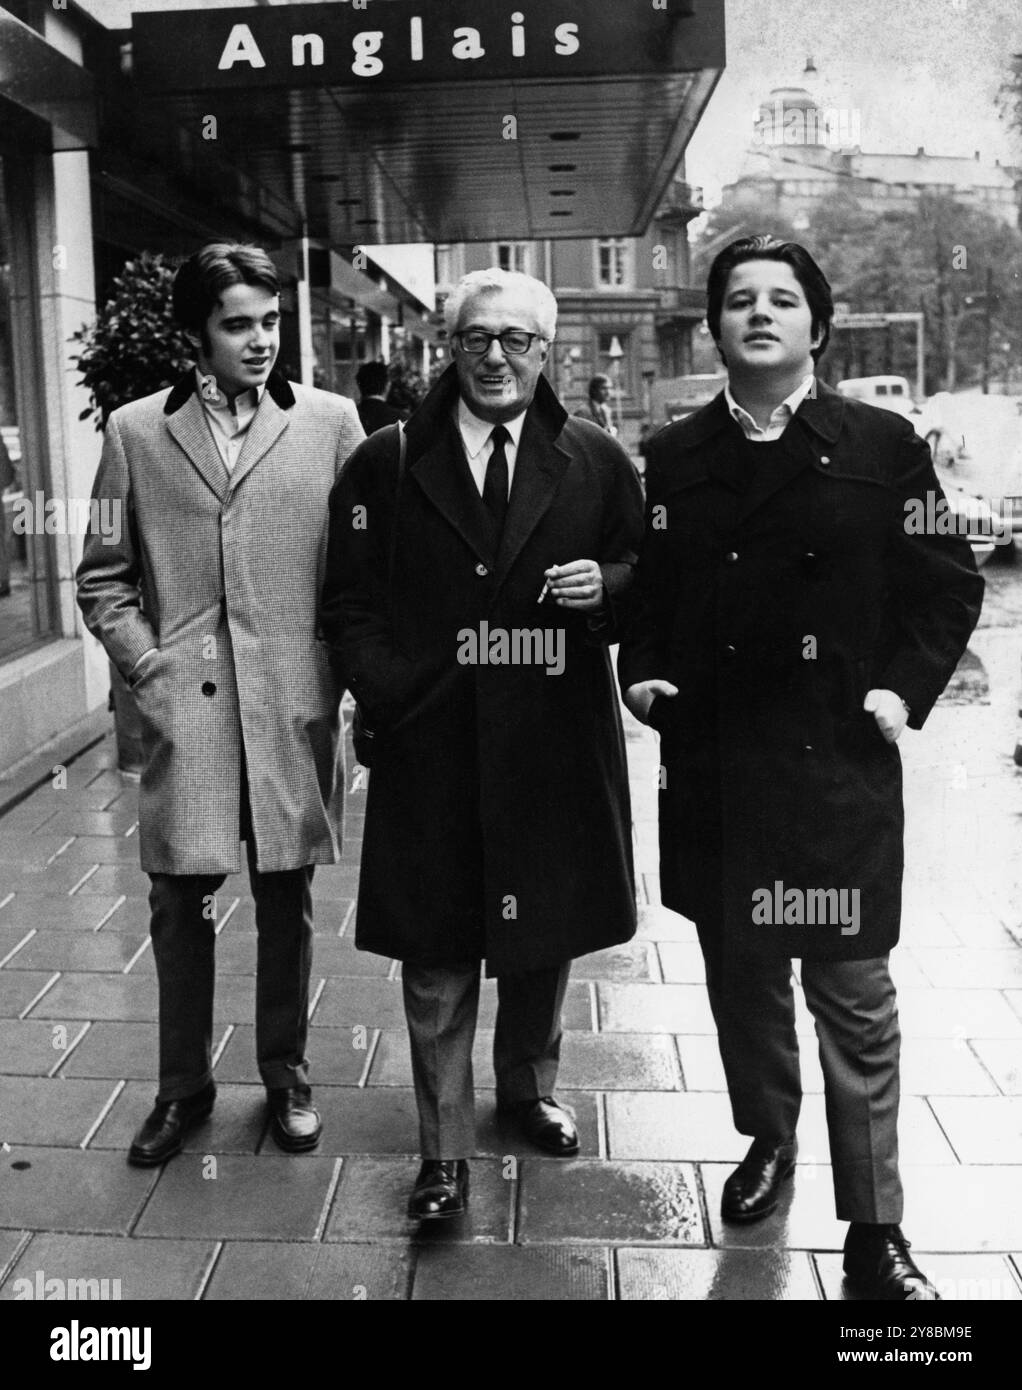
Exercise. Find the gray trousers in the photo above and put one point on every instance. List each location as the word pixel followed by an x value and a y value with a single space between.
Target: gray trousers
pixel 855 1012
pixel 441 1005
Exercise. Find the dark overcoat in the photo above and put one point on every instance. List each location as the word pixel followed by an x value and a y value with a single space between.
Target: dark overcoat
pixel 497 820
pixel 775 606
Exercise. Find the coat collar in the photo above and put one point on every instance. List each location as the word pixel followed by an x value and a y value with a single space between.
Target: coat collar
pixel 726 460
pixel 187 422
pixel 434 445
pixel 822 412
pixel 277 386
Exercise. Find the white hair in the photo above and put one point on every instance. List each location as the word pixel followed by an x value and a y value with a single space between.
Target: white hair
pixel 494 280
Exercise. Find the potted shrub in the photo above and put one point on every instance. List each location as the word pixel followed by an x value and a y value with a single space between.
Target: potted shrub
pixel 132 349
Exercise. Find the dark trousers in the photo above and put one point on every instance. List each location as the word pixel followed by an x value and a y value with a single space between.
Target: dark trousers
pixel 441 1005
pixel 855 1013
pixel 183 935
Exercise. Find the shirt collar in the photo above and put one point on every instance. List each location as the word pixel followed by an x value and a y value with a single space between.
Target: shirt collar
pixel 249 399
pixel 476 432
pixel 784 411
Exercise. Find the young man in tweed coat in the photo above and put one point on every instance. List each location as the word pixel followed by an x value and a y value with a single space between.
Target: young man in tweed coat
pixel 206 604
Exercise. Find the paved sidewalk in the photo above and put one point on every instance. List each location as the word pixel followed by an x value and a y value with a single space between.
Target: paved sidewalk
pixel 636 1217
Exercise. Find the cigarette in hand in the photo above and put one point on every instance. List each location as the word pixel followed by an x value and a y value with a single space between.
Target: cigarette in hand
pixel 546 587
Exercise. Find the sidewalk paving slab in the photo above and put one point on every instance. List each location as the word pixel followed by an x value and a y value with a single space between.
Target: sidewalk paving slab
pixel 611 1202
pixel 734 1275
pixel 39 1110
pixel 356 1273
pixel 240 1196
pixel 31 1047
pixel 1002 1057
pixel 92 913
pixel 74 1190
pixel 510 1273
pixel 145 1269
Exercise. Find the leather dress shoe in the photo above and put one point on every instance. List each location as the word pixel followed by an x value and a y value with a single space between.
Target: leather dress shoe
pixel 164 1128
pixel 878 1266
pixel 752 1191
pixel 294 1120
pixel 440 1191
pixel 546 1124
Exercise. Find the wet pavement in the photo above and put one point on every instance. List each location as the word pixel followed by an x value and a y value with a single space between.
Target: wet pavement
pixel 636 1216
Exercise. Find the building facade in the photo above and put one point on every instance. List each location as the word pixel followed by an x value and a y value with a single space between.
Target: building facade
pixel 804 153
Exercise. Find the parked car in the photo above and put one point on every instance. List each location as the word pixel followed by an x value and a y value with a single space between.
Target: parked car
pixel 932 421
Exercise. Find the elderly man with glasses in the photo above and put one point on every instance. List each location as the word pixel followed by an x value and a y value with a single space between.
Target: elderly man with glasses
pixel 473 584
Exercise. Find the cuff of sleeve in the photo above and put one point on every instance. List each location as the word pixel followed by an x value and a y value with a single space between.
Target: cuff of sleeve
pixel 130 650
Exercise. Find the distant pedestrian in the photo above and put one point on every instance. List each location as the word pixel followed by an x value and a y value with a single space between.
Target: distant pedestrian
pixel 597 407
pixel 788 624
pixel 373 409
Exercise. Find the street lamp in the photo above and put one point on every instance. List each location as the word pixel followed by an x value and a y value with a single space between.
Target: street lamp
pixel 980 303
pixel 615 352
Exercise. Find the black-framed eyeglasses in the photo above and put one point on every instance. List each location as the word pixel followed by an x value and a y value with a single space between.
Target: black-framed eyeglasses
pixel 515 342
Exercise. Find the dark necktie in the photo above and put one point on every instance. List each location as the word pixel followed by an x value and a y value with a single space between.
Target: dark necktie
pixel 495 483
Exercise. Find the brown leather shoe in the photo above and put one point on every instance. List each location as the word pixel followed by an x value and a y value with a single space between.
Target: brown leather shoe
pixel 546 1124
pixel 753 1189
pixel 440 1191
pixel 877 1265
pixel 164 1128
pixel 294 1120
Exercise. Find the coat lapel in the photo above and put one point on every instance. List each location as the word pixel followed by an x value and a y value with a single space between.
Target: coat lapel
pixel 444 476
pixel 269 424
pixel 190 428
pixel 539 467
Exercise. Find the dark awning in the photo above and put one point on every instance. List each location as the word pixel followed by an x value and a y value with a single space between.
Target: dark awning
pixel 473 119
pixel 38 79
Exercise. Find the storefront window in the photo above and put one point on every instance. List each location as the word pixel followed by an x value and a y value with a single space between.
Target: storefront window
pixel 24 589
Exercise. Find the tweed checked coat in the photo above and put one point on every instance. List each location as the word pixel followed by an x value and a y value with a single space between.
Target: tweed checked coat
pixel 774 602
pixel 497 819
pixel 221 574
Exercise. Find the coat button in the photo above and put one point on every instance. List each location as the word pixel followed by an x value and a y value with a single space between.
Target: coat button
pixel 824 459
pixel 482 571
pixel 208 688
pixel 731 556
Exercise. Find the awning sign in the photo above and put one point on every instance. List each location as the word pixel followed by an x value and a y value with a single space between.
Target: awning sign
pixel 348 44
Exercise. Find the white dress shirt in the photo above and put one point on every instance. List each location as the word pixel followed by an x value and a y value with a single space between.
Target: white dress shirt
pixel 228 420
pixel 778 418
pixel 478 446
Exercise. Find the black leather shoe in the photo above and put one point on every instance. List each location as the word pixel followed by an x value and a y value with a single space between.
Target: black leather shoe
pixel 546 1124
pixel 440 1191
pixel 164 1128
pixel 877 1265
pixel 294 1120
pixel 752 1191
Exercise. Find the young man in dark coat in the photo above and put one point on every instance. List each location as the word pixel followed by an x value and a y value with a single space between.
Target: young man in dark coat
pixel 791 616
pixel 475 639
